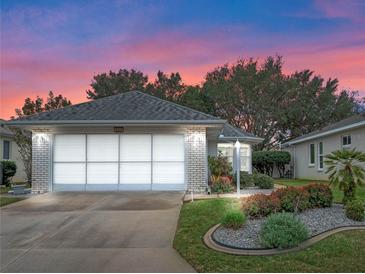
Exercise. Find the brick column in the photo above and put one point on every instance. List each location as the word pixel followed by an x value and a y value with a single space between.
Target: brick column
pixel 41 162
pixel 196 162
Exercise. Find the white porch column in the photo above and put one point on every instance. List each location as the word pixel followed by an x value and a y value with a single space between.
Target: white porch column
pixel 250 159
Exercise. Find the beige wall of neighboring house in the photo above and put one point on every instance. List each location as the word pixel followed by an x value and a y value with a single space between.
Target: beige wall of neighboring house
pixel 300 152
pixel 6 138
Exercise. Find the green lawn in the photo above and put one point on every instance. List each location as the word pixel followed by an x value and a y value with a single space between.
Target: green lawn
pixel 337 194
pixel 9 200
pixel 342 252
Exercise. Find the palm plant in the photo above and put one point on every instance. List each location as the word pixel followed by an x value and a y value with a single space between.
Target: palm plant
pixel 345 169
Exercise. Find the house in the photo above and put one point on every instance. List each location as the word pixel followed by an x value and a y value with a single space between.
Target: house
pixel 10 151
pixel 308 151
pixel 129 141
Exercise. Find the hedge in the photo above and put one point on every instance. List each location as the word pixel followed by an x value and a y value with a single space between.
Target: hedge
pixel 265 161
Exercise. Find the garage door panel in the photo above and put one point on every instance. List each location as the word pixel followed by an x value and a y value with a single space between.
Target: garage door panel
pixel 102 173
pixel 168 148
pixel 135 147
pixel 69 148
pixel 168 173
pixel 102 147
pixel 135 173
pixel 69 173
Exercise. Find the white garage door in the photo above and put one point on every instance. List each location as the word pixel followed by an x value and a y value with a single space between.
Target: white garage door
pixel 118 162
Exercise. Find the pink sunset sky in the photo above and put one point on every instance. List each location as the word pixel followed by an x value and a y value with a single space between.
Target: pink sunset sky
pixel 60 46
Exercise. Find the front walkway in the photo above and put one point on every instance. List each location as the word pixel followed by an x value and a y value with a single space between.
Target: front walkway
pixel 92 232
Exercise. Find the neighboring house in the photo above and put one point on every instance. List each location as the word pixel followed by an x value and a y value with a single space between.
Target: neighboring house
pixel 10 151
pixel 308 151
pixel 130 141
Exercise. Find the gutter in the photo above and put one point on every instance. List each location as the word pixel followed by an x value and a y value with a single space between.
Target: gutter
pixel 252 139
pixel 115 122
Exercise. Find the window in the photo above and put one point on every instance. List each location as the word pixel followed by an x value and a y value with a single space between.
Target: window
pixel 6 150
pixel 346 140
pixel 244 155
pixel 311 155
pixel 226 149
pixel 320 156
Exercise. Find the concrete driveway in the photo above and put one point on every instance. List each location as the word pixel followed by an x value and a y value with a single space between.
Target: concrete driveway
pixel 92 232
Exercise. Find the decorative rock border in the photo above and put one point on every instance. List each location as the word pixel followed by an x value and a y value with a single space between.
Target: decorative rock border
pixel 211 243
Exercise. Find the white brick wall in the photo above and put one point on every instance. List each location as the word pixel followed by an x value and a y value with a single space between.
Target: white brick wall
pixel 196 159
pixel 41 162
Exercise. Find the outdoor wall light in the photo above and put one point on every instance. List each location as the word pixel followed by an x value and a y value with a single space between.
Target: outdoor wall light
pixel 40 138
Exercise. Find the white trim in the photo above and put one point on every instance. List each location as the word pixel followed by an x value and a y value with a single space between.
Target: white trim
pixel 310 164
pixel 329 132
pixel 320 155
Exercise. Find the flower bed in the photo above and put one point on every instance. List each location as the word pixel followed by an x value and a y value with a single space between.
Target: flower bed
pixel 317 221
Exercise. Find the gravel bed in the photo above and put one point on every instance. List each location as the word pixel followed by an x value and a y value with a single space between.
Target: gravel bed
pixel 317 221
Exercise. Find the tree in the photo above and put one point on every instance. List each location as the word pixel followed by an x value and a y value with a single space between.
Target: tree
pixel 166 86
pixel 54 102
pixel 247 94
pixel 194 98
pixel 116 82
pixel 278 107
pixel 23 138
pixel 35 106
pixel 344 169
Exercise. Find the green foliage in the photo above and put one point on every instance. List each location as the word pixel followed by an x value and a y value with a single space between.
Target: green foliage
pixel 260 99
pixel 320 195
pixel 246 180
pixel 194 98
pixel 9 170
pixel 263 181
pixel 292 199
pixel 112 83
pixel 234 219
pixel 221 184
pixel 260 205
pixel 23 139
pixel 168 87
pixel 219 165
pixel 36 106
pixel 265 161
pixel 283 230
pixel 355 210
pixel 345 169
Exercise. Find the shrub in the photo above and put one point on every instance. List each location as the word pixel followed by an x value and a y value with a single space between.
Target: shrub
pixel 219 165
pixel 221 184
pixel 355 210
pixel 283 230
pixel 265 161
pixel 9 170
pixel 293 199
pixel 261 205
pixel 263 181
pixel 234 219
pixel 320 195
pixel 246 180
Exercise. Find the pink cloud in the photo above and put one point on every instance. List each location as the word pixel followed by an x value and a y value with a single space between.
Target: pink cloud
pixel 341 9
pixel 68 69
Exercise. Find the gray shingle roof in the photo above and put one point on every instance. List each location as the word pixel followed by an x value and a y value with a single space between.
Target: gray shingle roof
pixel 4 130
pixel 129 106
pixel 336 126
pixel 232 132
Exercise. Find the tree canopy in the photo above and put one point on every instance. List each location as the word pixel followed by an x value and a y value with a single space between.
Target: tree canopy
pixel 254 96
pixel 37 105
